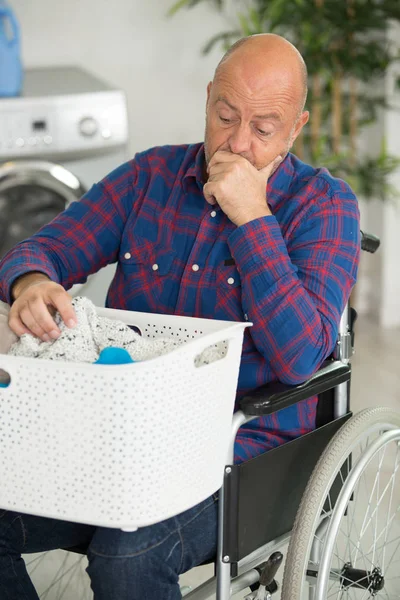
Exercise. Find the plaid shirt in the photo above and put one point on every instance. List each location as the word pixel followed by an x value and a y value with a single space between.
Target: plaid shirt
pixel 290 274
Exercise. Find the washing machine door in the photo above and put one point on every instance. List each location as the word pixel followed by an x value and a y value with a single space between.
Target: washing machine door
pixel 32 193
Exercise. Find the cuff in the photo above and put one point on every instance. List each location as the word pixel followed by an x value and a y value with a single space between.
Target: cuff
pixel 17 271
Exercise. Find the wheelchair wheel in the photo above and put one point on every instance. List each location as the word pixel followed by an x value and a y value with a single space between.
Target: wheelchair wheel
pixel 345 541
pixel 59 575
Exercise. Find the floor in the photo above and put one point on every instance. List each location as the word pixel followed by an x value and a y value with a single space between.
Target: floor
pixel 375 382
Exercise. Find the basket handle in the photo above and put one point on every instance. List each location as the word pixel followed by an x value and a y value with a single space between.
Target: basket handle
pixel 197 346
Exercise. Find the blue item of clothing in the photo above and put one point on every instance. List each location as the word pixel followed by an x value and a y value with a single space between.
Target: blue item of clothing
pixel 10 53
pixel 114 356
pixel 122 566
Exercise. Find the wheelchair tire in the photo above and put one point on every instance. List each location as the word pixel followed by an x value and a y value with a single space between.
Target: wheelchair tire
pixel 59 575
pixel 329 551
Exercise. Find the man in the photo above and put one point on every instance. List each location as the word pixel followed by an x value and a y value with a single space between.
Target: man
pixel 236 229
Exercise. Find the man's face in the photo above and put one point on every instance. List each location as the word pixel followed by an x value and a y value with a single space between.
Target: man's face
pixel 255 121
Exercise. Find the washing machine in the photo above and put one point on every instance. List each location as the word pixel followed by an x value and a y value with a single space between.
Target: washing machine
pixel 65 132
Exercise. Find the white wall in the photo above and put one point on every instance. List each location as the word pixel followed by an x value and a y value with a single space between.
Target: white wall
pixel 384 219
pixel 156 60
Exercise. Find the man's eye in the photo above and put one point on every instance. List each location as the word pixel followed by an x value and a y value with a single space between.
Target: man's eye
pixel 264 133
pixel 225 120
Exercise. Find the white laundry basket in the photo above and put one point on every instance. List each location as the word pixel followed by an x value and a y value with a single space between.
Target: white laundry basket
pixel 120 445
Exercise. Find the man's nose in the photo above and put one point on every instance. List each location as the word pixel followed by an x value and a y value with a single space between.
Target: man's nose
pixel 239 141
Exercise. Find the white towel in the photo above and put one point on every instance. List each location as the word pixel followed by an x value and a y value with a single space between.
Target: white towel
pixel 93 333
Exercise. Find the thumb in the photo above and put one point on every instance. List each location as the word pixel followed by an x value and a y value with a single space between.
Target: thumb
pixel 272 166
pixel 208 193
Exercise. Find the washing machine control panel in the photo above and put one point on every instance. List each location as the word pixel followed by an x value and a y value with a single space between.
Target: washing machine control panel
pixel 62 125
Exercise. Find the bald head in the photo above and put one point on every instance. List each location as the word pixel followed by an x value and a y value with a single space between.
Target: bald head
pixel 268 51
pixel 255 102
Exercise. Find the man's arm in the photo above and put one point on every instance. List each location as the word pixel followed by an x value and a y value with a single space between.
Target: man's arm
pixel 295 294
pixel 79 241
pixel 35 274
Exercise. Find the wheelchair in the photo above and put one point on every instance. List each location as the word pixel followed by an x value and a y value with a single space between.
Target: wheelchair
pixel 331 496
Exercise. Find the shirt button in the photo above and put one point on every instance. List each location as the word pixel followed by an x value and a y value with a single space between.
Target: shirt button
pixel 195 267
pixel 231 280
pixel 155 267
pixel 246 318
pixel 127 255
pixel 213 213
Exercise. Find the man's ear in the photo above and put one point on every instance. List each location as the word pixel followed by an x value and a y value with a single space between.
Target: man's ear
pixel 301 121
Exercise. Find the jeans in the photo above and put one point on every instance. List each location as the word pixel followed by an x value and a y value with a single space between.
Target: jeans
pixel 140 565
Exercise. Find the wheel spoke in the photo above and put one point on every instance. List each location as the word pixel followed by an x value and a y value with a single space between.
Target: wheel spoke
pixel 375 526
pixel 66 585
pixel 348 520
pixel 393 555
pixel 390 507
pixel 387 543
pixel 63 574
pixel 352 509
pixel 374 514
pixel 378 504
pixel 61 569
pixel 365 526
pixel 37 561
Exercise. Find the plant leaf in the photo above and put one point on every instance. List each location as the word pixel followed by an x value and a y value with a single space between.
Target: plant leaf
pixel 177 6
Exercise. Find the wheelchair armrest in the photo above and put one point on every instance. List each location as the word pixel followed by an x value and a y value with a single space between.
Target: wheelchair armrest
pixel 272 397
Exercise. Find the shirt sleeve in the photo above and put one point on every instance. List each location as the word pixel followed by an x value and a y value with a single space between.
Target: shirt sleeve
pixel 82 239
pixel 295 292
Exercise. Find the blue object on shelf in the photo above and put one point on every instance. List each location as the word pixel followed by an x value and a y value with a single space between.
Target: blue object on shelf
pixel 10 53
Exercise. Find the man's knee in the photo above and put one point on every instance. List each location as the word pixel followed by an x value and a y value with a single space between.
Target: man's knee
pixel 125 565
pixel 154 539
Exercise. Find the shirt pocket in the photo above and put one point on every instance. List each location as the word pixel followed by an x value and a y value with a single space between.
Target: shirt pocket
pixel 229 293
pixel 147 271
pixel 157 259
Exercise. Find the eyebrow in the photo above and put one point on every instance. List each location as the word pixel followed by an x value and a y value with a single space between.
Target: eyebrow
pixel 272 115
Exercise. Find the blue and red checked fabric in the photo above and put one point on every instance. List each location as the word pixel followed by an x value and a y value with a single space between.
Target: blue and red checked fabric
pixel 290 274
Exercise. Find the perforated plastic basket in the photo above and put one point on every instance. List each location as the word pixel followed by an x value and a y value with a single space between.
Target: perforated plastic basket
pixel 120 445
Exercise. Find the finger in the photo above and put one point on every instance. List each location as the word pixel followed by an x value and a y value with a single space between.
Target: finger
pixel 215 177
pixel 222 156
pixel 219 169
pixel 209 193
pixel 17 326
pixel 28 319
pixel 62 301
pixel 43 317
pixel 271 166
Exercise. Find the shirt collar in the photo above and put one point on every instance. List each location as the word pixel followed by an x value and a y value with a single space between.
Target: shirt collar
pixel 195 170
pixel 279 183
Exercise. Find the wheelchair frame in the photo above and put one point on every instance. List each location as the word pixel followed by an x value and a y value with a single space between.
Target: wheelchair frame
pixel 242 548
pixel 235 571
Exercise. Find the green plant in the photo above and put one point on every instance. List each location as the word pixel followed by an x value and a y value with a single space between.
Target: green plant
pixel 345 46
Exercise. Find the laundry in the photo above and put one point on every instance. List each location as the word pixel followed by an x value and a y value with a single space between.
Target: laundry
pixel 93 334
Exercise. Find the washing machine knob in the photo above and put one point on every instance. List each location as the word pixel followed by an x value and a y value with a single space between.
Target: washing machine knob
pixel 88 126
